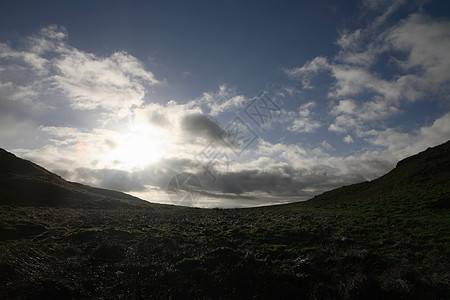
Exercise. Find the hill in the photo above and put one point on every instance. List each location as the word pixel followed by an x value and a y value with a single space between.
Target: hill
pixel 23 183
pixel 417 185
pixel 384 239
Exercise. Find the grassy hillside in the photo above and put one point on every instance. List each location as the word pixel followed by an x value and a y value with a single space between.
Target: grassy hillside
pixel 385 239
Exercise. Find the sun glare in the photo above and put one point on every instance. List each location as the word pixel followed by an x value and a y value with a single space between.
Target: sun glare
pixel 139 148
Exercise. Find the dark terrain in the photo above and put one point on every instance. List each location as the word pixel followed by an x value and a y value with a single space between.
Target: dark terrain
pixel 384 239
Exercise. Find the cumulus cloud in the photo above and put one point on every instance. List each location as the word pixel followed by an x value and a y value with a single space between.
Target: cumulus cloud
pixel 302 121
pixel 186 125
pixel 113 179
pixel 403 144
pixel 419 67
pixel 352 115
pixel 308 70
pixel 304 125
pixel 201 126
pixel 114 83
pixel 426 43
pixel 158 119
pixel 223 100
pixel 86 81
pixel 348 139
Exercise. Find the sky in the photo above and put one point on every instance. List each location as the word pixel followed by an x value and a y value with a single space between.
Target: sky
pixel 223 103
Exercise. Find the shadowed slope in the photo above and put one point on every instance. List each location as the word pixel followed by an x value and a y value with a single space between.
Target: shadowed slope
pixel 24 183
pixel 415 186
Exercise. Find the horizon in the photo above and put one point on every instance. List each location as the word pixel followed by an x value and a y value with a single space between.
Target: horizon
pixel 185 197
pixel 223 104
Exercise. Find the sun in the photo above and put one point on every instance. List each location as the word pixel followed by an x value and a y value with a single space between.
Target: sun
pixel 139 147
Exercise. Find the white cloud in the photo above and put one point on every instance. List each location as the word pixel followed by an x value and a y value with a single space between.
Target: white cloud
pixel 11 91
pixel 327 146
pixel 224 100
pixel 426 66
pixel 308 70
pixel 418 63
pixel 305 109
pixel 387 7
pixel 355 116
pixel 349 40
pixel 29 58
pixel 113 83
pixel 304 125
pixel 330 171
pixel 302 121
pixel 284 91
pixel 347 106
pixel 348 139
pixel 267 148
pixel 402 144
pixel 344 123
pixel 230 104
pixel 426 42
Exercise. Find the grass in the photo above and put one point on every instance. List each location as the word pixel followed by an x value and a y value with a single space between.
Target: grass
pixel 262 253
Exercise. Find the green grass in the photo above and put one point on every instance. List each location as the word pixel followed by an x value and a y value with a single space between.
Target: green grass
pixel 213 253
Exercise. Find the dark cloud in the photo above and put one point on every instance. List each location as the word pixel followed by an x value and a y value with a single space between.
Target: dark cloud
pixel 156 175
pixel 228 196
pixel 274 184
pixel 284 181
pixel 158 119
pixel 112 179
pixel 201 126
pixel 248 181
pixel 274 181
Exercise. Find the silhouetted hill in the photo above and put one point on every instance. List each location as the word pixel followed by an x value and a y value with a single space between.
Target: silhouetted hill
pixel 419 182
pixel 24 183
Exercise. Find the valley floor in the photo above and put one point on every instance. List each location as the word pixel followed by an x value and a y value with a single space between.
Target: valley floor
pixel 293 251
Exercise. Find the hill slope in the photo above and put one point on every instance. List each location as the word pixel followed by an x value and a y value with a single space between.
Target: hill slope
pixel 384 239
pixel 416 186
pixel 24 183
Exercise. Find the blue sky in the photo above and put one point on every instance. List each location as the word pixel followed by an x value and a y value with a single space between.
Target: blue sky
pixel 261 101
